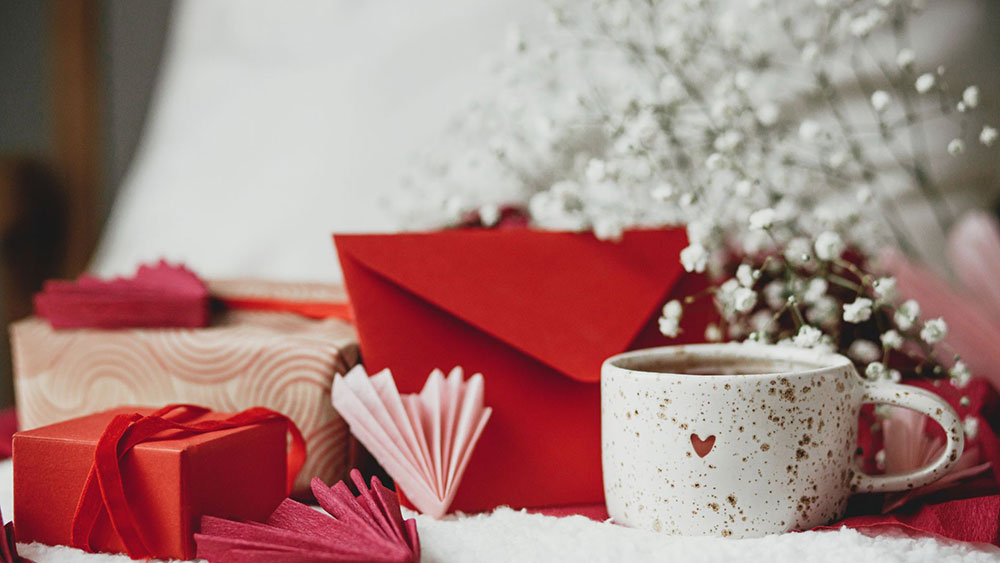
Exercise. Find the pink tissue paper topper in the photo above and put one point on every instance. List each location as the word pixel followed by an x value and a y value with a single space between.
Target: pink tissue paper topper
pixel 424 440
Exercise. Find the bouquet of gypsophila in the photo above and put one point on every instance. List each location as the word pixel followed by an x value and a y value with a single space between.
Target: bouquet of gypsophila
pixel 781 133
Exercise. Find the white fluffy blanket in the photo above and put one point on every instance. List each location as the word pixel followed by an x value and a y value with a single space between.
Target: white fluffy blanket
pixel 510 535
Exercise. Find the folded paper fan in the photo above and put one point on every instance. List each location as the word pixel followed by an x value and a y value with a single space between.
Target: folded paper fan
pixel 424 440
pixel 369 527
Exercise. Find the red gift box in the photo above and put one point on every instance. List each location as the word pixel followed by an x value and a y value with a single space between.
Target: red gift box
pixel 169 482
pixel 536 313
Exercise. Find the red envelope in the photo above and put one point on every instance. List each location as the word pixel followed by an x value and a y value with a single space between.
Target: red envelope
pixel 536 313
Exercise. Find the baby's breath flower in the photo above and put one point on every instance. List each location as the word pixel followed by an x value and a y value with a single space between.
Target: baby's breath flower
pixel 934 331
pixel 762 219
pixel 905 59
pixel 859 311
pixel 669 327
pixel 988 136
pixel 596 170
pixel 876 371
pixel 971 96
pixel 774 294
pixel 815 290
pixel 698 231
pixel 829 246
pixel 713 333
pixel 761 320
pixel 960 374
pixel 810 52
pixel 694 258
pixel 863 25
pixel 837 159
pixel 825 312
pixel 489 214
pixel 767 114
pixel 956 147
pixel 925 82
pixel 663 192
pixel 714 161
pixel 809 130
pixel 895 376
pixel 881 100
pixel 743 188
pixel 746 275
pixel 970 425
pixel 728 141
pixel 758 337
pixel 864 351
pixel 885 288
pixel 608 228
pixel 807 336
pixel 744 299
pixel 864 196
pixel 798 251
pixel 892 340
pixel 907 314
pixel 673 309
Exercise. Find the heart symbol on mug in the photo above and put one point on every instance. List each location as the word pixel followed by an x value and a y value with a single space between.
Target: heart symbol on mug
pixel 702 447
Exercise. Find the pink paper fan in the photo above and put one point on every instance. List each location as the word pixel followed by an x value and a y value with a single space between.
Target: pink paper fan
pixel 424 441
pixel 369 527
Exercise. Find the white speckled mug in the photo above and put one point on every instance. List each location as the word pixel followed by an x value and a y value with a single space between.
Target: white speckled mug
pixel 744 440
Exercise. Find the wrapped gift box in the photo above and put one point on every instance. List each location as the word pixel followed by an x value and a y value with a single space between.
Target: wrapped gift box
pixel 280 360
pixel 536 313
pixel 170 482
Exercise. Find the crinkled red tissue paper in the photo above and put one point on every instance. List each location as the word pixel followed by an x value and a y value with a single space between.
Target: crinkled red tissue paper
pixel 369 527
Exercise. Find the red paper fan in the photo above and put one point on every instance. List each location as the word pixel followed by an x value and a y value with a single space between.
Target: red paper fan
pixel 369 527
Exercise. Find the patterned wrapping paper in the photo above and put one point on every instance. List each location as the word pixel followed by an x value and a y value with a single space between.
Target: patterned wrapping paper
pixel 281 361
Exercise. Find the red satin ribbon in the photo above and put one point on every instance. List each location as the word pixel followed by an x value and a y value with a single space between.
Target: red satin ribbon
pixel 308 309
pixel 104 490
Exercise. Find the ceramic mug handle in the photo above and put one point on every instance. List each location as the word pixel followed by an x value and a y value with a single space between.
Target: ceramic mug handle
pixel 928 403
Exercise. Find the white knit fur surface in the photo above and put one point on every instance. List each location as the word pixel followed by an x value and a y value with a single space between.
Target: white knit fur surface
pixel 512 535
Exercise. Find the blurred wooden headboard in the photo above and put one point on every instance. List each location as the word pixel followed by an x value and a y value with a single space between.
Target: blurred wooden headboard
pixel 50 206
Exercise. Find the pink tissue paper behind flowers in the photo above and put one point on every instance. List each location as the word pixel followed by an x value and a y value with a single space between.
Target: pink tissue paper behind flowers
pixel 423 441
pixel 368 527
pixel 160 295
pixel 971 307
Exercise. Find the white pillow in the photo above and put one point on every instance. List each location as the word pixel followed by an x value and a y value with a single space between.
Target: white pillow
pixel 276 124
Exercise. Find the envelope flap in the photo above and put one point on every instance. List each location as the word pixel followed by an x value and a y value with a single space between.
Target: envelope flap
pixel 566 299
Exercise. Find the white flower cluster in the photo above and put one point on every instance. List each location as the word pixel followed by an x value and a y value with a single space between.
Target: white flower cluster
pixel 639 113
pixel 630 113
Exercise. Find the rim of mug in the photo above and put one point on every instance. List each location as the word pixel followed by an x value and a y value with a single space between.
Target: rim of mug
pixel 822 360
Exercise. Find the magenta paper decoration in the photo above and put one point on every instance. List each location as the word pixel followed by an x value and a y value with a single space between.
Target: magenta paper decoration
pixel 424 440
pixel 369 527
pixel 158 295
pixel 8 545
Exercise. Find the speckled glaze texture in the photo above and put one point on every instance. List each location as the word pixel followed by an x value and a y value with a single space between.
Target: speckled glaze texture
pixel 744 455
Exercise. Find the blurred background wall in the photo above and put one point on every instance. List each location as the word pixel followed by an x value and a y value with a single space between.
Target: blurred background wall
pixel 71 71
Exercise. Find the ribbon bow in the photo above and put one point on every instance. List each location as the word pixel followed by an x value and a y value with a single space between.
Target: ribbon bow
pixel 104 490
